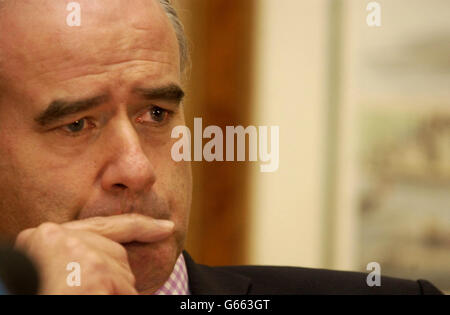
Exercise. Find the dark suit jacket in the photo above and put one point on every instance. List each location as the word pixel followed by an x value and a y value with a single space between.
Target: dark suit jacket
pixel 247 280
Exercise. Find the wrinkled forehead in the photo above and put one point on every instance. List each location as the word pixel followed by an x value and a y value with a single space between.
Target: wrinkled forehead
pixel 41 16
pixel 36 36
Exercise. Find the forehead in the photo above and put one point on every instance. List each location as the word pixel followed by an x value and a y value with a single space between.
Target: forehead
pixel 37 43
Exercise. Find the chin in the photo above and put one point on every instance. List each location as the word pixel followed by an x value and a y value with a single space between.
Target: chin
pixel 152 263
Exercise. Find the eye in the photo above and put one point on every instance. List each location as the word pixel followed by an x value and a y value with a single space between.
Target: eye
pixel 158 114
pixel 154 115
pixel 77 127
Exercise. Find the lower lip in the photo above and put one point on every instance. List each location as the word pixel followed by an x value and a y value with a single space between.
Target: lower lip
pixel 134 244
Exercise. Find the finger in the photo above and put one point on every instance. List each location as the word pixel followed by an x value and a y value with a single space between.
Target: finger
pixel 121 275
pixel 98 243
pixel 104 273
pixel 122 285
pixel 115 253
pixel 22 238
pixel 125 228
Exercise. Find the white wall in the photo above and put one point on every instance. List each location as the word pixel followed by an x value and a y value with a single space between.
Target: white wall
pixel 290 83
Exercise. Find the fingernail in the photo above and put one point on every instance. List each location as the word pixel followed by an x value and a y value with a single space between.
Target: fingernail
pixel 165 224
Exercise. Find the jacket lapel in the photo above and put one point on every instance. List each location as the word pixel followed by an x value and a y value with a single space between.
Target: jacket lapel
pixel 205 280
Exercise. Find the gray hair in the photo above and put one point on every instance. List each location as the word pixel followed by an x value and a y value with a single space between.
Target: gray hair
pixel 179 31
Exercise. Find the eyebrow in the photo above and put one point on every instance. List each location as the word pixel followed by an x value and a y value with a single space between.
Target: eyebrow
pixel 171 92
pixel 60 109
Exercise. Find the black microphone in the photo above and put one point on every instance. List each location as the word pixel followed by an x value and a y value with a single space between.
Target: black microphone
pixel 18 275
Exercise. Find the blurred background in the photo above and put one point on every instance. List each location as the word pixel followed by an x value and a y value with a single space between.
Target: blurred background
pixel 364 117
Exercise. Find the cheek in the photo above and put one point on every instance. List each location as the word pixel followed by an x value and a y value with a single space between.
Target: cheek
pixel 44 188
pixel 174 181
pixel 33 196
pixel 54 196
pixel 182 192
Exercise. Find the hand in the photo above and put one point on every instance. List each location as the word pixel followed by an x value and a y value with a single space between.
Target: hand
pixel 95 244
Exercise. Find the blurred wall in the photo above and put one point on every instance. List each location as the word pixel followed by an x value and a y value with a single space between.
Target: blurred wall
pixel 290 91
pixel 219 91
pixel 363 115
pixel 259 63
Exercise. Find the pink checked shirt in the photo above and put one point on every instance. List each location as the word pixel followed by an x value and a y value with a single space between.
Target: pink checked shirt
pixel 177 284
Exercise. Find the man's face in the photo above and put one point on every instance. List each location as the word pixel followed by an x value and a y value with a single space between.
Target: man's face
pixel 86 115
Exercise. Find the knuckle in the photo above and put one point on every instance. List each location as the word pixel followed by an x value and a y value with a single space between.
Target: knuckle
pixel 74 245
pixel 49 229
pixel 99 224
pixel 95 263
pixel 23 237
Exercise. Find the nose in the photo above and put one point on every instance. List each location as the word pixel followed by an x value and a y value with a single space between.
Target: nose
pixel 128 168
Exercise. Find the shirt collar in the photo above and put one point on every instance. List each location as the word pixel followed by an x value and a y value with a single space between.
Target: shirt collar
pixel 177 284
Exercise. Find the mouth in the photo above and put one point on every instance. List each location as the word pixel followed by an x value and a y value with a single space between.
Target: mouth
pixel 149 204
pixel 137 244
pixel 134 244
